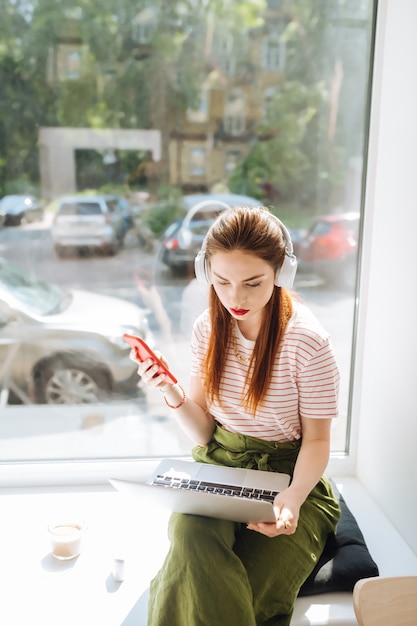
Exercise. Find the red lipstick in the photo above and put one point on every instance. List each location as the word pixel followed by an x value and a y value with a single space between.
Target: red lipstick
pixel 239 312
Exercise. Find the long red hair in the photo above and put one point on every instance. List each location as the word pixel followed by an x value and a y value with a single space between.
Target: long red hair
pixel 253 230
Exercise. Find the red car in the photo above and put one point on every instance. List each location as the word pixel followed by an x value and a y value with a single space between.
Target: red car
pixel 330 247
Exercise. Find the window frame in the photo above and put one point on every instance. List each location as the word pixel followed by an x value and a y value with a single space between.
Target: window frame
pixel 273 53
pixel 97 472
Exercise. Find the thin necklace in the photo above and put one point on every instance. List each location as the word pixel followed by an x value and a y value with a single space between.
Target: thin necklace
pixel 241 358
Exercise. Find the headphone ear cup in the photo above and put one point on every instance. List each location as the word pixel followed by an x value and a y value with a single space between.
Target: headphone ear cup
pixel 200 268
pixel 286 274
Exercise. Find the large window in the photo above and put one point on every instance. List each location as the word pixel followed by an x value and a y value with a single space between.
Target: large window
pixel 148 110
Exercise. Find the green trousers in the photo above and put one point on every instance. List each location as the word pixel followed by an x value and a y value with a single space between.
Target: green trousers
pixel 219 573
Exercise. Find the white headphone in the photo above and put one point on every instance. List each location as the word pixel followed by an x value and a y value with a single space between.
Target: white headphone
pixel 284 276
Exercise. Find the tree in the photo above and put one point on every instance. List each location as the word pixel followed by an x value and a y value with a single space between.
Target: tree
pixel 317 118
pixel 19 106
pixel 140 66
pixel 277 166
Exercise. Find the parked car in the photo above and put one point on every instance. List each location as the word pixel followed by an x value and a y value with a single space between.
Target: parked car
pixel 330 247
pixel 18 209
pixel 60 346
pixel 182 240
pixel 90 222
pixel 297 235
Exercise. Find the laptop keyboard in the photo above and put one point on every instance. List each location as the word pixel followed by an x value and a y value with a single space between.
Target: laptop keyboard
pixel 220 489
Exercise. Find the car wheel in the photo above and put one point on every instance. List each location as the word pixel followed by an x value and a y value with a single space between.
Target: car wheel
pixel 15 220
pixel 112 248
pixel 61 251
pixel 27 218
pixel 58 382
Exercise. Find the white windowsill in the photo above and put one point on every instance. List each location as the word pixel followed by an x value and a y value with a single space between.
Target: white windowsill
pixel 37 588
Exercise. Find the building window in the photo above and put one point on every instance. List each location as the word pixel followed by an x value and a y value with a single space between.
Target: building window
pixel 200 113
pixel 235 113
pixel 65 62
pixel 273 53
pixel 145 25
pixel 197 162
pixel 268 98
pixel 231 160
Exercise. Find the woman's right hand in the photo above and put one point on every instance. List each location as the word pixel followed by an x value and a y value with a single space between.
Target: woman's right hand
pixel 190 411
pixel 148 371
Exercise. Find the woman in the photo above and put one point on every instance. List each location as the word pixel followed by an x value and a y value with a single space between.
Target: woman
pixel 263 392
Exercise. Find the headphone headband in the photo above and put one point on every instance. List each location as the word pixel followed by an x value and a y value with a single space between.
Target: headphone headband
pixel 284 276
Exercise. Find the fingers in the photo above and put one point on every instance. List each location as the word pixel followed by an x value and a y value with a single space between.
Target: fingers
pixel 162 358
pixel 287 526
pixel 281 527
pixel 148 371
pixel 286 518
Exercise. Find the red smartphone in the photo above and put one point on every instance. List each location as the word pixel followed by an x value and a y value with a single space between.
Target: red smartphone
pixel 143 352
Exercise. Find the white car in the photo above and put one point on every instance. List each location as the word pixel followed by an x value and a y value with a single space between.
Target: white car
pixel 62 346
pixel 90 222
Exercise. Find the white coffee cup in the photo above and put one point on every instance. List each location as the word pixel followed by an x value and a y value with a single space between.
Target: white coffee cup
pixel 66 539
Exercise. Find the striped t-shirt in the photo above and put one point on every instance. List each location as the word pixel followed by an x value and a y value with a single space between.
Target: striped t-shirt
pixel 305 380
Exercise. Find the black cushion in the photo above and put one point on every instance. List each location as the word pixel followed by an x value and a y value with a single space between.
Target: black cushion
pixel 345 558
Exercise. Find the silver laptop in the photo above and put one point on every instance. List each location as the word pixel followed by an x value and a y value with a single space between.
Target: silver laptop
pixel 230 493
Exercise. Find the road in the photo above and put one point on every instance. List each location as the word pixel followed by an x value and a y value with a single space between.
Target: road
pixel 31 248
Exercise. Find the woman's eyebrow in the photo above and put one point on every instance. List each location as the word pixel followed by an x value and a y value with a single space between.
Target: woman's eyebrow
pixel 246 280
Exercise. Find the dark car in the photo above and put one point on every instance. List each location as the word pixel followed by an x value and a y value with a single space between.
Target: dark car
pixel 297 235
pixel 19 209
pixel 65 346
pixel 329 248
pixel 182 240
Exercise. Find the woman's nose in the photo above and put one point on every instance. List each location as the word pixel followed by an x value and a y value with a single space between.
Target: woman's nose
pixel 237 296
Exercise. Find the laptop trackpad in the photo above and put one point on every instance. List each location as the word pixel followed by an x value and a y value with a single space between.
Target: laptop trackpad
pixel 216 473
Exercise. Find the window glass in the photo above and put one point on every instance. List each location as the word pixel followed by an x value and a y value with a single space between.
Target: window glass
pixel 232 157
pixel 168 112
pixel 197 161
pixel 200 112
pixel 235 112
pixel 273 53
pixel 80 208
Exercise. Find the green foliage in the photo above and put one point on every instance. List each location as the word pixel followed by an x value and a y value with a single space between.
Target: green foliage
pixel 278 162
pixel 21 185
pixel 293 215
pixel 160 215
pixel 143 65
pixel 166 193
pixel 114 189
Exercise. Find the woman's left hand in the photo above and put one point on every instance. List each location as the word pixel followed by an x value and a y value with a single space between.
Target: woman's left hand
pixel 287 511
